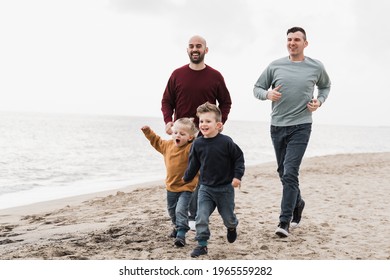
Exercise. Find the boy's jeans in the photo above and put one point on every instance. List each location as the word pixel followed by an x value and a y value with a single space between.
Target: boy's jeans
pixel 290 144
pixel 193 204
pixel 177 204
pixel 209 198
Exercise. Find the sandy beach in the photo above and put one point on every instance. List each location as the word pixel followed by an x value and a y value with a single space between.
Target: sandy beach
pixel 347 217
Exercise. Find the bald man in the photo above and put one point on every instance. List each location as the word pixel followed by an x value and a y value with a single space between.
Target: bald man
pixel 190 86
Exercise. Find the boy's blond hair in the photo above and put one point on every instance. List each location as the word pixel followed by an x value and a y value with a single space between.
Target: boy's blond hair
pixel 212 108
pixel 188 124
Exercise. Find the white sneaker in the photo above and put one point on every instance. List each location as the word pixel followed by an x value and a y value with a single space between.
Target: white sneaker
pixel 191 224
pixel 282 230
pixel 294 225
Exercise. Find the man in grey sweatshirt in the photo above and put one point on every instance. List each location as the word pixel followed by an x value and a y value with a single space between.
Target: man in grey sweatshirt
pixel 289 83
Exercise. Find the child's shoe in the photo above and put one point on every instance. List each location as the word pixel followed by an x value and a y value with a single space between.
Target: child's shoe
pixel 173 233
pixel 199 250
pixel 231 235
pixel 180 241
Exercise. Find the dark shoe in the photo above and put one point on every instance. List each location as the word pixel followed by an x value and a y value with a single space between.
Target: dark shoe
pixel 297 214
pixel 173 233
pixel 180 241
pixel 199 250
pixel 282 230
pixel 231 235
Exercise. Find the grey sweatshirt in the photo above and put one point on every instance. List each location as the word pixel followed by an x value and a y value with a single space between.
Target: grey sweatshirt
pixel 298 80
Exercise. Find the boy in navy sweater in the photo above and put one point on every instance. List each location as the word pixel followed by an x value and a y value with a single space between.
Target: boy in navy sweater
pixel 221 165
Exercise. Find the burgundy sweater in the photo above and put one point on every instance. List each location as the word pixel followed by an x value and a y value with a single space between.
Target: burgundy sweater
pixel 187 89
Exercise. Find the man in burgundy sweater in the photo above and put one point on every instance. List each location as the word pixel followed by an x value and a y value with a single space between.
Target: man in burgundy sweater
pixel 191 86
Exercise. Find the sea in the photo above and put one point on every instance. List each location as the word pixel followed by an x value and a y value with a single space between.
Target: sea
pixel 52 156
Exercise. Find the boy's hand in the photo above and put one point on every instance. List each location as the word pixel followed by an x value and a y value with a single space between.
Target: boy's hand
pixel 236 183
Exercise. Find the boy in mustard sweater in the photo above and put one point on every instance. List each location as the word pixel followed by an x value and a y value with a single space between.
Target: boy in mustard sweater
pixel 176 152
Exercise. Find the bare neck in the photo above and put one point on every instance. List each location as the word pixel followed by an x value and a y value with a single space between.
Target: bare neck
pixel 197 67
pixel 297 58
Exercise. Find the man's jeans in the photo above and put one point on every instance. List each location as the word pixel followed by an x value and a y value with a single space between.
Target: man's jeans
pixel 177 203
pixel 290 144
pixel 209 198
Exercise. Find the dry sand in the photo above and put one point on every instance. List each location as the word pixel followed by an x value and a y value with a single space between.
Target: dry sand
pixel 347 217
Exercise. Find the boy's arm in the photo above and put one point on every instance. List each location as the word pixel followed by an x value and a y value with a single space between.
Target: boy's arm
pixel 193 166
pixel 154 139
pixel 239 165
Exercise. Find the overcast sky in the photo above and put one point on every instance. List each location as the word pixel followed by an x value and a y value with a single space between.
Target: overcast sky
pixel 115 56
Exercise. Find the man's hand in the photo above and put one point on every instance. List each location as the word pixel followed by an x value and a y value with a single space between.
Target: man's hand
pixel 274 95
pixel 168 128
pixel 313 105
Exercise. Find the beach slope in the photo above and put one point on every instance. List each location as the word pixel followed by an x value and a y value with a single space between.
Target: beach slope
pixel 347 217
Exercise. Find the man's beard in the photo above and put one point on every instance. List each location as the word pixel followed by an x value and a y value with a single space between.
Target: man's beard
pixel 197 60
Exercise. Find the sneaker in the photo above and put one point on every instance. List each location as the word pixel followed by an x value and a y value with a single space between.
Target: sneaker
pixel 191 224
pixel 231 235
pixel 180 241
pixel 282 230
pixel 297 214
pixel 173 233
pixel 199 250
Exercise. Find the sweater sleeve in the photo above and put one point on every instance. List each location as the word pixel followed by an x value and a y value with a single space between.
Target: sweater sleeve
pixel 156 141
pixel 239 162
pixel 323 86
pixel 168 102
pixel 262 84
pixel 193 165
pixel 224 100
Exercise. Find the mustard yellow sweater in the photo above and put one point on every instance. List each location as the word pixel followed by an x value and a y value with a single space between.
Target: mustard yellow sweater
pixel 176 161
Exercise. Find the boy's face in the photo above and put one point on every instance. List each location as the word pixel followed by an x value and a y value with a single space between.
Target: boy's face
pixel 208 124
pixel 181 136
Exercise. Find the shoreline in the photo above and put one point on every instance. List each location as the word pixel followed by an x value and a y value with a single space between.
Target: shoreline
pixel 50 205
pixel 78 198
pixel 345 217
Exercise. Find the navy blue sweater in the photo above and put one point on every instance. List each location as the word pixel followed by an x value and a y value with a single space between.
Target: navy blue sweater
pixel 219 160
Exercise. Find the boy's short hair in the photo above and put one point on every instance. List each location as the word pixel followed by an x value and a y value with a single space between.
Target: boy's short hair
pixel 208 107
pixel 188 124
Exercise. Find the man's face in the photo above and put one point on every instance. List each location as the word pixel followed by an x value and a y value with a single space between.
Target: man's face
pixel 196 50
pixel 296 43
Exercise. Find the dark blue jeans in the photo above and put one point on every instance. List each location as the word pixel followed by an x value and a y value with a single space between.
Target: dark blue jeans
pixel 290 143
pixel 193 204
pixel 177 204
pixel 209 198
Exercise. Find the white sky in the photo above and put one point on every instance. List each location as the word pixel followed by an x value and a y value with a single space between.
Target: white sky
pixel 115 56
